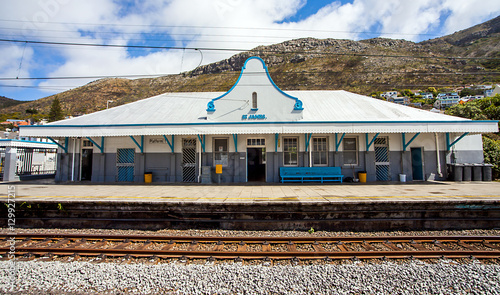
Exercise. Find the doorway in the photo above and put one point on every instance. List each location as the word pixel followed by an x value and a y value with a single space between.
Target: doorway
pixel 87 164
pixel 256 164
pixel 188 160
pixel 382 164
pixel 417 164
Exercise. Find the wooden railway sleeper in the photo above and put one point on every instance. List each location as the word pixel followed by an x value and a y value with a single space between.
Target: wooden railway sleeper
pixel 490 245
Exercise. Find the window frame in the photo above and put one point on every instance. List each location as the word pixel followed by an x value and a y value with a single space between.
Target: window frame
pixel 216 152
pixel 356 151
pixel 285 152
pixel 314 151
pixel 254 101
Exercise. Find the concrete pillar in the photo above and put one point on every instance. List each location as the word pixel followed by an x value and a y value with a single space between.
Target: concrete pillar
pixel 10 165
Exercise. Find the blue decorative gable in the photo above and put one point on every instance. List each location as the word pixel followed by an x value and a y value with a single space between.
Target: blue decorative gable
pixel 253 76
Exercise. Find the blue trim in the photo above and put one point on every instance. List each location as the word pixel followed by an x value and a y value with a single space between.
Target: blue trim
pixel 276 139
pixel 235 139
pixel 141 146
pixel 170 144
pixel 337 144
pixel 449 145
pixel 101 147
pixel 308 140
pixel 202 142
pixel 368 145
pixel 64 147
pixel 26 141
pixel 262 122
pixel 298 103
pixel 405 145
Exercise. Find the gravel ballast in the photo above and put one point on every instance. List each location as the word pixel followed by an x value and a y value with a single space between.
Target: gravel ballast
pixel 416 277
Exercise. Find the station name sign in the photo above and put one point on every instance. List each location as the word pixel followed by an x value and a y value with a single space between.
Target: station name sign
pixel 254 117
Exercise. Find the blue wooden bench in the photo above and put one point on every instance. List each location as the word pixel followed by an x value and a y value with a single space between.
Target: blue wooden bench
pixel 296 174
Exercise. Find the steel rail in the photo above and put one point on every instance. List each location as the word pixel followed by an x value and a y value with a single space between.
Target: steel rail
pixel 42 246
pixel 253 239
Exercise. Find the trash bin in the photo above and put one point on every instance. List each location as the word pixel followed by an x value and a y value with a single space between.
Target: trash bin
pixel 402 177
pixel 477 172
pixel 487 172
pixel 148 177
pixel 362 176
pixel 458 170
pixel 467 174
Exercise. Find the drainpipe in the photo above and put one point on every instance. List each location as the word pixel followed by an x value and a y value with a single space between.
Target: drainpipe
pixel 73 161
pixel 437 156
pixel 310 156
pixel 199 165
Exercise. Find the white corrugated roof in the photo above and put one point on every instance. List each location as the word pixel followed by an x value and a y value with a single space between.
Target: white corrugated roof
pixel 324 112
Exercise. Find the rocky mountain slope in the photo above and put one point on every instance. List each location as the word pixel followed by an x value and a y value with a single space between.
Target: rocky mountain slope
pixel 359 66
pixel 6 102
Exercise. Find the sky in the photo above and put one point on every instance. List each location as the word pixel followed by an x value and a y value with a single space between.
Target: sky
pixel 217 28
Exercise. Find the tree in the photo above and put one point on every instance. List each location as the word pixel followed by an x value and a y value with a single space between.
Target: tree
pixel 408 93
pixel 56 112
pixel 31 111
pixel 433 91
pixel 491 150
pixel 479 109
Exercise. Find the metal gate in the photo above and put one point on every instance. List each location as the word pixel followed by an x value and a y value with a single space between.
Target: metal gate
pixel 382 165
pixel 188 160
pixel 125 164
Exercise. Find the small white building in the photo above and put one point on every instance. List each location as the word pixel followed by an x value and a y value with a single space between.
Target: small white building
pixel 254 129
pixel 26 158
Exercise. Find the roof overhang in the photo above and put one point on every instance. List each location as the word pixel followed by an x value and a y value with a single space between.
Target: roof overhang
pixel 298 127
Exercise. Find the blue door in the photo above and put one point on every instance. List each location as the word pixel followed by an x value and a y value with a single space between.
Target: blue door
pixel 417 164
pixel 125 164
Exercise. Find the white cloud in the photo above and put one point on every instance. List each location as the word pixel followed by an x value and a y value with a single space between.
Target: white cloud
pixel 201 23
pixel 466 13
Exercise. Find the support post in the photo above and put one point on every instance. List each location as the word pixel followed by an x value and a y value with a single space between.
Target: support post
pixel 140 146
pixel 170 144
pixel 308 140
pixel 405 144
pixel 202 141
pixel 100 147
pixel 368 145
pixel 63 147
pixel 235 139
pixel 276 141
pixel 338 143
pixel 449 145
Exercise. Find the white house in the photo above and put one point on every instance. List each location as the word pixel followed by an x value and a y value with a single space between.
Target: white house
pixel 254 129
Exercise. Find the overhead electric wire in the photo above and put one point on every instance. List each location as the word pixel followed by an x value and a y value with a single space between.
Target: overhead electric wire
pixel 230 28
pixel 244 50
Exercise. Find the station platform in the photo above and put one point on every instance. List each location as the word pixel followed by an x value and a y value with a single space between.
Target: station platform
pixel 47 190
pixel 340 207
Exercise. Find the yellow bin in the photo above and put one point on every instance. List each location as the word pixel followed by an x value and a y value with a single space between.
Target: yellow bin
pixel 362 176
pixel 148 177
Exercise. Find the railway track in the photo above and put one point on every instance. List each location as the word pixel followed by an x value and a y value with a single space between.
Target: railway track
pixel 29 246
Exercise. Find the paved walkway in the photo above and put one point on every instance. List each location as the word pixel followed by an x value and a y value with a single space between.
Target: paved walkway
pixel 428 191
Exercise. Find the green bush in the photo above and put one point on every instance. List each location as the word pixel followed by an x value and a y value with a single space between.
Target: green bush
pixel 491 150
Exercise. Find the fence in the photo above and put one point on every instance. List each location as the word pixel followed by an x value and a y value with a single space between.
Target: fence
pixel 36 161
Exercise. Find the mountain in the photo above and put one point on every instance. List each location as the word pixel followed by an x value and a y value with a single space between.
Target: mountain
pixel 8 102
pixel 359 66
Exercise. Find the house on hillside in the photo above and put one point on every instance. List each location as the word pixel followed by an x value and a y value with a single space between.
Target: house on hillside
pixel 446 100
pixel 400 100
pixel 389 94
pixel 254 129
pixel 426 95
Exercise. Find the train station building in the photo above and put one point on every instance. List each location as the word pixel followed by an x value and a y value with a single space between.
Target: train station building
pixel 254 129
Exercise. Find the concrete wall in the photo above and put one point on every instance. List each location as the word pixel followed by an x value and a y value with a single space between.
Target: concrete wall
pixel 165 165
